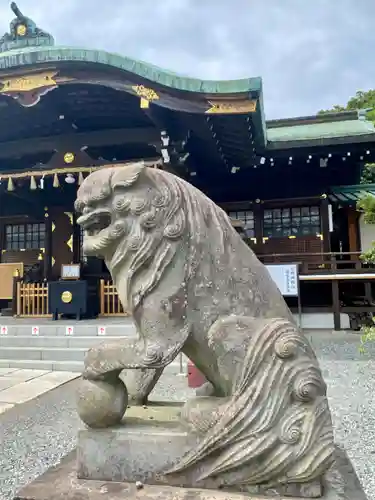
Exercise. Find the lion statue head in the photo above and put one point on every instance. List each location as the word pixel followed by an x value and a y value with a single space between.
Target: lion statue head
pixel 136 218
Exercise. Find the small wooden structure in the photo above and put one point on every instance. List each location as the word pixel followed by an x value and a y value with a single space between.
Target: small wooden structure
pixel 110 304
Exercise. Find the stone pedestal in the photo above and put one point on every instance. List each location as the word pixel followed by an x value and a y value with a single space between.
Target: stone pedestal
pixel 61 483
pixel 150 441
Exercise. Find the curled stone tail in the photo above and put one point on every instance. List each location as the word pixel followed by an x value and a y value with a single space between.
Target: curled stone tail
pixel 276 427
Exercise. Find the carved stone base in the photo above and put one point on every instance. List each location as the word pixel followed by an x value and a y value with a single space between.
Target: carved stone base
pixel 150 442
pixel 61 483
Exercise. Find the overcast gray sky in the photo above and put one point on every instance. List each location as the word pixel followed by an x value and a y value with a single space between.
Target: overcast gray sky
pixel 311 54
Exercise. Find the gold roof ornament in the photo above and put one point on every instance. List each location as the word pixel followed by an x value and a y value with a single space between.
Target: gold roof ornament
pixel 69 157
pixel 232 107
pixel 146 94
pixel 23 32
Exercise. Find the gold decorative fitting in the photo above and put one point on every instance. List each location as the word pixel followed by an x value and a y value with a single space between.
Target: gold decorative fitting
pixel 254 240
pixel 264 239
pixel 320 236
pixel 40 256
pixel 292 237
pixel 3 251
pixel 53 260
pixel 27 83
pixel 53 226
pixel 324 196
pixel 70 243
pixel 226 107
pixel 46 215
pixel 21 30
pixel 146 94
pixel 70 215
pixel 69 157
pixel 66 297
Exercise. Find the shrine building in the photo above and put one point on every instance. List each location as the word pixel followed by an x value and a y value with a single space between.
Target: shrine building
pixel 290 185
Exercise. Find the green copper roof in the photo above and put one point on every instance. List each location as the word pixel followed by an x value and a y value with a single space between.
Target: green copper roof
pixel 39 55
pixel 320 131
pixel 351 194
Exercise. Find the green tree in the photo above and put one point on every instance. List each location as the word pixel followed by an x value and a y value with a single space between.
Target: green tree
pixel 361 100
pixel 364 100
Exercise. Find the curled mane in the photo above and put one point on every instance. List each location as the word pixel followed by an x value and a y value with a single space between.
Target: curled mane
pixel 164 215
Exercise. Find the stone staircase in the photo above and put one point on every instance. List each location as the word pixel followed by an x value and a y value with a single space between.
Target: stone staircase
pixel 53 349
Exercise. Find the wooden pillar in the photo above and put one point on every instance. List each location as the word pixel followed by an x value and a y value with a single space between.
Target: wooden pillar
pixel 336 305
pixel 48 248
pixel 324 217
pixel 76 240
pixel 258 226
pixel 2 239
pixel 353 231
pixel 368 292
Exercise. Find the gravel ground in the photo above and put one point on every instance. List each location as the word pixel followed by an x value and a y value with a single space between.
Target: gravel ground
pixel 39 433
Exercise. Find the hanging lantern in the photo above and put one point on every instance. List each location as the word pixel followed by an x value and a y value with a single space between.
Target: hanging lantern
pixel 80 179
pixel 10 185
pixel 56 182
pixel 33 185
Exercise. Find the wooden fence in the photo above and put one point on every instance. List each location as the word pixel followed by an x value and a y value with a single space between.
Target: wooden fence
pixel 110 304
pixel 32 299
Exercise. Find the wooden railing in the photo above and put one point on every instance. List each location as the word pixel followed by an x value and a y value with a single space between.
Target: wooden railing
pixel 110 304
pixel 32 299
pixel 315 263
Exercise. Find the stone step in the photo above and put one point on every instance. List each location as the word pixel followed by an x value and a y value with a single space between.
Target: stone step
pixel 63 366
pixel 68 365
pixel 59 328
pixel 54 341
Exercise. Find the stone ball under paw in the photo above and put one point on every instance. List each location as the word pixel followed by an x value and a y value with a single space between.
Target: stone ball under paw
pixel 101 403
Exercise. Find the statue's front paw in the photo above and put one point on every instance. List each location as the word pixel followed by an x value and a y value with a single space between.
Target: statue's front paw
pixel 102 403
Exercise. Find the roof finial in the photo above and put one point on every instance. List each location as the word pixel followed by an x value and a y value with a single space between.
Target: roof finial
pixel 17 11
pixel 23 33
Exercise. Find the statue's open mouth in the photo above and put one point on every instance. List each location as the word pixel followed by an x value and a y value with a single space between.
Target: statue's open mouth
pixel 94 222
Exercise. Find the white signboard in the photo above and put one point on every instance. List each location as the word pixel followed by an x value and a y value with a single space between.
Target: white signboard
pixel 35 330
pixel 286 278
pixel 69 330
pixel 3 330
pixel 101 330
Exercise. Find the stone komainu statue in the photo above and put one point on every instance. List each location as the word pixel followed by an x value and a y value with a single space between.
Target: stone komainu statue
pixel 193 286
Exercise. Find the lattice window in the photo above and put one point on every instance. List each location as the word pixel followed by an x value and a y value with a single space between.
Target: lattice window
pixel 25 236
pixel 247 217
pixel 297 221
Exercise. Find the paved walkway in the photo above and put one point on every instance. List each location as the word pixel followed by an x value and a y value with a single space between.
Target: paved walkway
pixel 19 386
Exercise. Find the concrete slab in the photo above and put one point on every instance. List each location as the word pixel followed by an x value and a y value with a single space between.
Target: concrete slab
pixel 5 407
pixel 61 483
pixel 6 371
pixel 25 385
pixel 5 383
